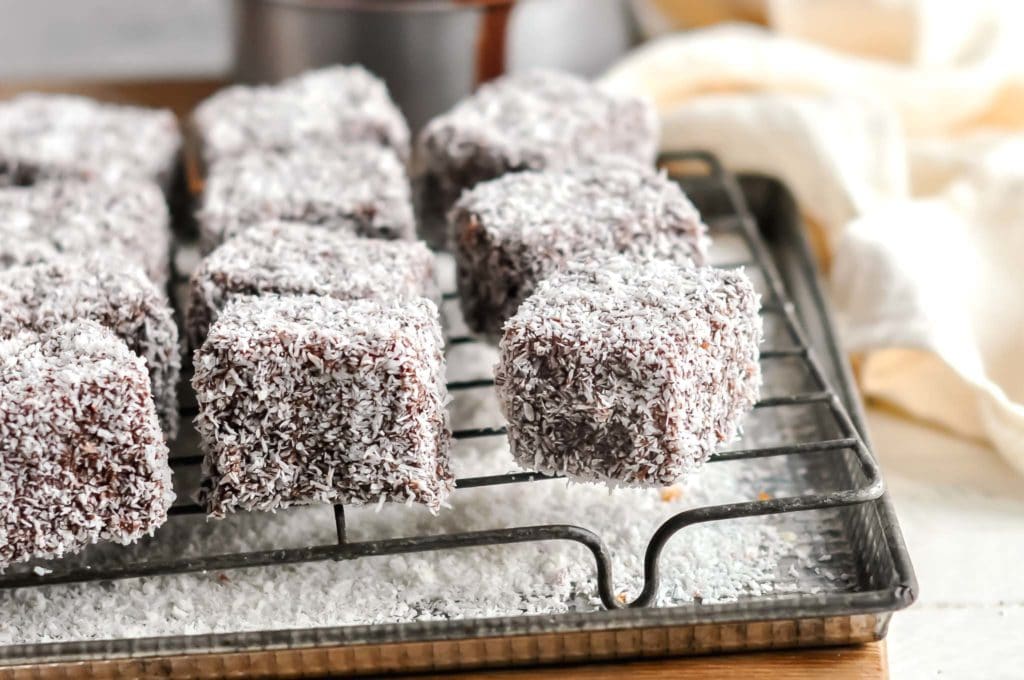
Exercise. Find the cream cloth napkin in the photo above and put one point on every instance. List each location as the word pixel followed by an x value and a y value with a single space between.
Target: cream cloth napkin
pixel 900 130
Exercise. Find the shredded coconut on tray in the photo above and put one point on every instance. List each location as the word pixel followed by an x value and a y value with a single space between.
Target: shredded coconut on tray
pixel 747 560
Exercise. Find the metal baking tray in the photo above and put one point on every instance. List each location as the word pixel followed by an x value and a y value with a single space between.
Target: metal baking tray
pixel 827 485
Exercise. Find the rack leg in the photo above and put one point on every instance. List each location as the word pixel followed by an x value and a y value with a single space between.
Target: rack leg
pixel 339 522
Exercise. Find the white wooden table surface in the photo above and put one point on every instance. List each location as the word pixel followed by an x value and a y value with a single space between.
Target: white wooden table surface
pixel 962 512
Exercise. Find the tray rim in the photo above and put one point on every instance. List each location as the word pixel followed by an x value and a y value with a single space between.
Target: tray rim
pixel 791 608
pixel 906 585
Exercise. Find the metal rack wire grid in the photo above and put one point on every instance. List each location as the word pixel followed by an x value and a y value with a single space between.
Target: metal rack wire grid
pixel 738 221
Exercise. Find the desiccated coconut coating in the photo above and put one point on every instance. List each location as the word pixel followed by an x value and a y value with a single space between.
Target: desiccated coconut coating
pixel 512 232
pixel 530 121
pixel 333 106
pixel 359 189
pixel 51 136
pixel 294 259
pixel 129 221
pixel 114 294
pixel 312 399
pixel 629 372
pixel 82 458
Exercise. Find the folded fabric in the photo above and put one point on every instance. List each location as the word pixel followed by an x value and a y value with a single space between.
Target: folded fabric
pixel 911 169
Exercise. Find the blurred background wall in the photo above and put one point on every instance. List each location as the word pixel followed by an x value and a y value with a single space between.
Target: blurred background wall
pixel 114 38
pixel 61 39
pixel 428 59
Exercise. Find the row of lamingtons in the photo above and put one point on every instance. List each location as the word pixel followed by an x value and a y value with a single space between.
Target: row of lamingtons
pixel 318 352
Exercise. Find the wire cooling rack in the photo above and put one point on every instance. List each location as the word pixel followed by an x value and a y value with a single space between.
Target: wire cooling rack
pixel 734 222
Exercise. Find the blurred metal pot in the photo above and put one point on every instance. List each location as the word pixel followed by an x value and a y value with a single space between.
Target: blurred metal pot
pixel 431 52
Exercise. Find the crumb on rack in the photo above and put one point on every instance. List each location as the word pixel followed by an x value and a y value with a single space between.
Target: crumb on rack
pixel 671 493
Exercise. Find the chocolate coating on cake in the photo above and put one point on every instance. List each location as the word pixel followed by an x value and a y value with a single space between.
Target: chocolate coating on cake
pixel 512 232
pixel 333 106
pixel 114 294
pixel 530 121
pixel 294 259
pixel 51 136
pixel 82 458
pixel 358 189
pixel 317 400
pixel 629 372
pixel 128 221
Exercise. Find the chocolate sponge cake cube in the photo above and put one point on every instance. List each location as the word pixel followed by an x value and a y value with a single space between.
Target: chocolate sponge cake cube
pixel 535 120
pixel 128 220
pixel 332 106
pixel 116 295
pixel 512 232
pixel 59 137
pixel 289 258
pixel 317 400
pixel 629 372
pixel 82 458
pixel 358 189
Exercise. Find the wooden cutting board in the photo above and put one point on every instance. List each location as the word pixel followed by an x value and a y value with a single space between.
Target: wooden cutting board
pixel 862 662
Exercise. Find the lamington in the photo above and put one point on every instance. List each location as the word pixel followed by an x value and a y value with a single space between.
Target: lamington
pixel 128 221
pixel 334 106
pixel 512 232
pixel 116 295
pixel 359 189
pixel 82 458
pixel 627 372
pixel 293 259
pixel 311 399
pixel 536 120
pixel 58 137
